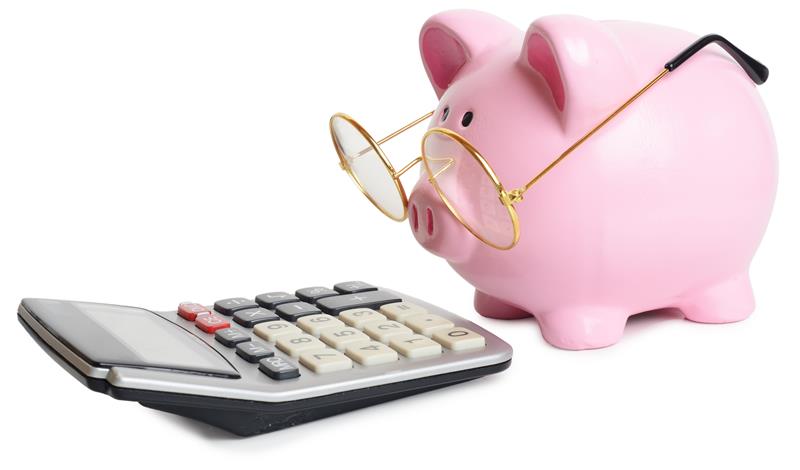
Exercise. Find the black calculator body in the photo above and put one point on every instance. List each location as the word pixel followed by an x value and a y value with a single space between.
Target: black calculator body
pixel 257 365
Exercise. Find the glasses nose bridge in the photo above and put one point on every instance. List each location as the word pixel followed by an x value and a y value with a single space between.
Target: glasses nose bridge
pixel 407 167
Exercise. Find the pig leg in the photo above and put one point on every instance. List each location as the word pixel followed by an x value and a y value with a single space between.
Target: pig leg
pixel 492 307
pixel 585 327
pixel 724 302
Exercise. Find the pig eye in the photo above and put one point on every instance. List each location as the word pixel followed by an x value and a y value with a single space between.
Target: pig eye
pixel 445 113
pixel 467 119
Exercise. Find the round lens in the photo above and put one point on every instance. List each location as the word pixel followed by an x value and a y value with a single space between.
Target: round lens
pixel 365 163
pixel 468 188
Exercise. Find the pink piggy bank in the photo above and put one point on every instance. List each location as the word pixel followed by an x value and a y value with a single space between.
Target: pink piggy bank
pixel 663 207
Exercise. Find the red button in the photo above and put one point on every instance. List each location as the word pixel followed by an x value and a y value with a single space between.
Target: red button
pixel 211 323
pixel 190 311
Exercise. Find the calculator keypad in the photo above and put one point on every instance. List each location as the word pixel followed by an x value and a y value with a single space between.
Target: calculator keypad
pixel 329 330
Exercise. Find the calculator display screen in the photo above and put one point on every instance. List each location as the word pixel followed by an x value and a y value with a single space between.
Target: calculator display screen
pixel 111 335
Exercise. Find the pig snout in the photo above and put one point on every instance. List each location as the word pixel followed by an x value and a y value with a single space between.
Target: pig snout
pixel 435 227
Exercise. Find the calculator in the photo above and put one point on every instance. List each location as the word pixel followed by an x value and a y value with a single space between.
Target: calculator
pixel 253 365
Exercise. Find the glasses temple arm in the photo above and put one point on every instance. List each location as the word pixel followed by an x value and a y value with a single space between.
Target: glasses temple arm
pixel 516 195
pixel 404 128
pixel 754 69
pixel 393 135
pixel 757 71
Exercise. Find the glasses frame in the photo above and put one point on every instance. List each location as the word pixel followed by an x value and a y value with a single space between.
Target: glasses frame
pixel 757 72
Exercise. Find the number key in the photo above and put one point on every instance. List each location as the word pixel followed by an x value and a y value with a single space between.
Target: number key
pixel 328 360
pixel 316 324
pixel 273 330
pixel 297 344
pixel 358 317
pixel 372 353
pixel 384 330
pixel 340 338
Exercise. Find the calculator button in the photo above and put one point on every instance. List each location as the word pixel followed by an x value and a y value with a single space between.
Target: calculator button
pixel 295 310
pixel 328 360
pixel 211 323
pixel 278 368
pixel 296 344
pixel 383 330
pixel 399 311
pixel 315 324
pixel 230 337
pixel 416 347
pixel 459 339
pixel 427 323
pixel 340 338
pixel 372 299
pixel 228 306
pixel 353 287
pixel 371 354
pixel 273 330
pixel 312 294
pixel 253 351
pixel 359 317
pixel 190 310
pixel 252 317
pixel 271 300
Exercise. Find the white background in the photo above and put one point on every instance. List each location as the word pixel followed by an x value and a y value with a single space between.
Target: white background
pixel 153 152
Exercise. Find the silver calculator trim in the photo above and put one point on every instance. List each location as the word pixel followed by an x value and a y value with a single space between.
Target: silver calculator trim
pixel 256 386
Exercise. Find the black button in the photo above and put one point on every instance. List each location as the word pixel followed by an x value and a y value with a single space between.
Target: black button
pixel 253 351
pixel 228 306
pixel 353 287
pixel 373 299
pixel 278 368
pixel 230 337
pixel 312 294
pixel 252 317
pixel 295 310
pixel 271 300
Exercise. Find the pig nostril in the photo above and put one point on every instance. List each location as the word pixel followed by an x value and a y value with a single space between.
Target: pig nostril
pixel 429 220
pixel 414 218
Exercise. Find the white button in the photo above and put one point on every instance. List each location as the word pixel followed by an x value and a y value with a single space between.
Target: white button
pixel 358 317
pixel 459 339
pixel 272 330
pixel 416 347
pixel 427 323
pixel 326 360
pixel 340 338
pixel 297 344
pixel 400 310
pixel 383 330
pixel 372 353
pixel 315 324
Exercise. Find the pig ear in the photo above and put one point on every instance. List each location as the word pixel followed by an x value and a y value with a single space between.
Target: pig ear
pixel 452 39
pixel 582 65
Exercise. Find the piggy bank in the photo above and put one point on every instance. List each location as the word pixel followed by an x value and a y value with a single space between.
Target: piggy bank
pixel 664 207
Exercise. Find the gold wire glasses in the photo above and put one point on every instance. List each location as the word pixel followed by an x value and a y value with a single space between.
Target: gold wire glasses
pixel 461 176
